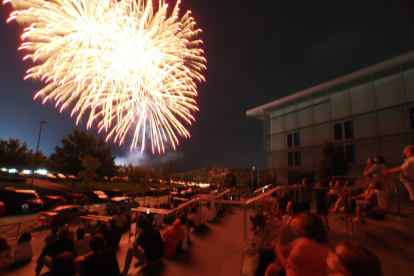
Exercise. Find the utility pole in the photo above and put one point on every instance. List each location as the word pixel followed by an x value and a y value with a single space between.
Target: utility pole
pixel 37 149
pixel 252 178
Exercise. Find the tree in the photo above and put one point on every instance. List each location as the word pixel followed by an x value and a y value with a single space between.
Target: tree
pixel 14 154
pixel 88 175
pixel 66 160
pixel 211 179
pixel 333 162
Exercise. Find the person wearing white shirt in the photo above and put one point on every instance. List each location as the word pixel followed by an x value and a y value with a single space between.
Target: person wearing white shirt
pixel 24 248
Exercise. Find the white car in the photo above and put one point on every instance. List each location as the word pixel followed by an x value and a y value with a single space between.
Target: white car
pixel 120 204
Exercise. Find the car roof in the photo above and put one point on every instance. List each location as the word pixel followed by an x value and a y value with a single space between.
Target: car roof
pixel 119 198
pixel 53 197
pixel 63 207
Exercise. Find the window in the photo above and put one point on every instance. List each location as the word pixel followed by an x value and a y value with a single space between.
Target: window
pixel 338 131
pixel 297 158
pixel 412 117
pixel 289 141
pixel 348 128
pixel 296 139
pixel 350 153
pixel 290 159
pixel 293 140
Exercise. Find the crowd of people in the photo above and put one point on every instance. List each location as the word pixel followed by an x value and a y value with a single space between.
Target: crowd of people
pixel 288 239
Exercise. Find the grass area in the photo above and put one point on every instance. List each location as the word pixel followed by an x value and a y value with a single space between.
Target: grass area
pixel 40 191
pixel 101 186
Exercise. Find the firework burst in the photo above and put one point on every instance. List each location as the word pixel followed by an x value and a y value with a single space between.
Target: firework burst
pixel 127 64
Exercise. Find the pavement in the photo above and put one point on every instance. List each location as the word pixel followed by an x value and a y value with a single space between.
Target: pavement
pixel 217 251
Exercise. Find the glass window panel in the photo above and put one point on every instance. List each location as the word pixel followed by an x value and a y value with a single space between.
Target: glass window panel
pixel 277 142
pixel 408 77
pixel 304 117
pixel 289 141
pixel 290 159
pixel 339 104
pixel 322 133
pixel 289 107
pixel 362 99
pixel 350 153
pixel 338 131
pixel 392 121
pixel 306 137
pixel 364 126
pixel 297 158
pixel 290 121
pixel 348 129
pixel 319 97
pixel 296 139
pixel 277 125
pixel 388 88
pixel 303 102
pixel 321 113
pixel 277 111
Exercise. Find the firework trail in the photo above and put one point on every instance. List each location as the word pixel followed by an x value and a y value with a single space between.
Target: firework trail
pixel 127 64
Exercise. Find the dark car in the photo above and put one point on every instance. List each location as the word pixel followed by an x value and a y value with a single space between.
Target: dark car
pixel 62 214
pixel 51 201
pixel 97 197
pixel 120 204
pixel 77 199
pixel 20 201
pixel 114 193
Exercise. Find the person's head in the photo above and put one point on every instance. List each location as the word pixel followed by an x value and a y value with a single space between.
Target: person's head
pixel 338 184
pixel 112 223
pixel 379 159
pixel 331 184
pixel 318 184
pixel 144 224
pixel 63 265
pixel 349 183
pixel 309 225
pixel 370 161
pixel 306 182
pixel 5 244
pixel 183 218
pixel 409 151
pixel 349 258
pixel 97 243
pixel 63 234
pixel 80 233
pixel 25 237
pixel 55 230
pixel 285 237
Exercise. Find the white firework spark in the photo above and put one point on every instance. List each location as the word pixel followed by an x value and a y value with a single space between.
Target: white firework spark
pixel 130 66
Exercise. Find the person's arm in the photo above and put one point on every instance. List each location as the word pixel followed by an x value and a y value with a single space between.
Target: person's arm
pixel 394 170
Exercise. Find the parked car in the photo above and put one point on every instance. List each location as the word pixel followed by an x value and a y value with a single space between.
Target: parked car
pixel 51 201
pixel 97 197
pixel 77 199
pixel 114 193
pixel 2 208
pixel 20 201
pixel 62 214
pixel 120 204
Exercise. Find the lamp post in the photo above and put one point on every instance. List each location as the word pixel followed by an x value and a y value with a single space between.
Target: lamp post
pixel 252 179
pixel 37 149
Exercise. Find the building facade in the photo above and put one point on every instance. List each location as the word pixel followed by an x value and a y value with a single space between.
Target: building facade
pixel 370 112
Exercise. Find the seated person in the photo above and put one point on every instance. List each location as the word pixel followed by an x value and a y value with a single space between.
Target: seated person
pixel 6 253
pixel 24 248
pixel 305 255
pixel 101 261
pixel 367 202
pixel 177 235
pixel 59 246
pixel 158 220
pixel 148 246
pixel 349 258
pixel 51 238
pixel 194 218
pixel 81 245
pixel 63 265
pixel 333 194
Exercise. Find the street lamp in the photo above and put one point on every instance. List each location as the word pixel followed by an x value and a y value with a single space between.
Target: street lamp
pixel 37 149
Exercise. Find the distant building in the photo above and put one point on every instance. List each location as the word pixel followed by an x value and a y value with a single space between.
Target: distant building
pixel 370 112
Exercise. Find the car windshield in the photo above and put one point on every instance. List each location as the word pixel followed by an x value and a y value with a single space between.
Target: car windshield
pixel 27 196
pixel 115 201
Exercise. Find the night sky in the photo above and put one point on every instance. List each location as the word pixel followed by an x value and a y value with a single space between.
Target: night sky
pixel 256 51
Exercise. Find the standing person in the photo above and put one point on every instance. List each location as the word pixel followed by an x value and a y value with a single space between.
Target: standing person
pixel 320 203
pixel 148 247
pixel 305 194
pixel 24 248
pixel 407 171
